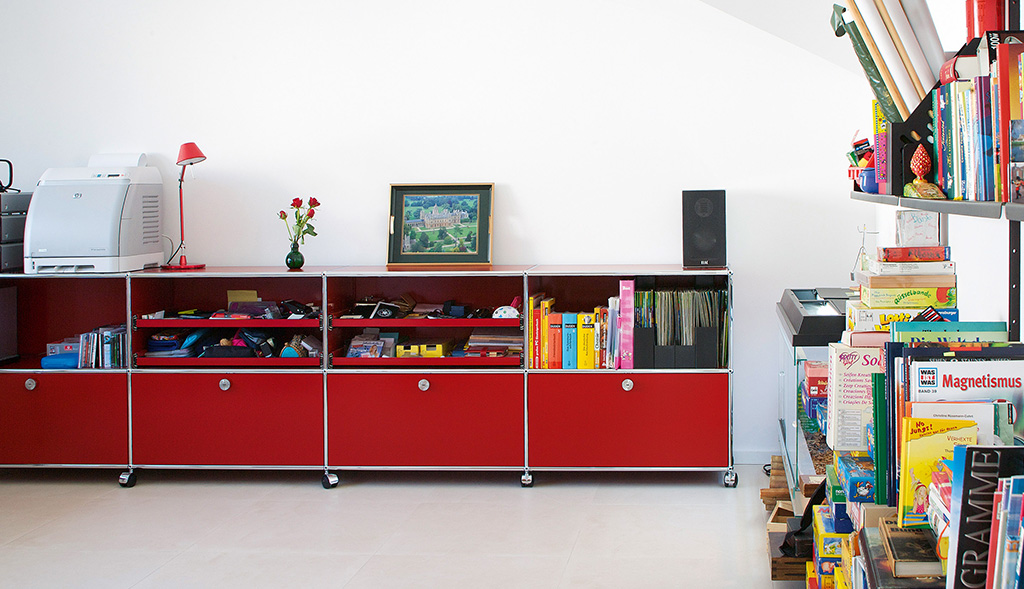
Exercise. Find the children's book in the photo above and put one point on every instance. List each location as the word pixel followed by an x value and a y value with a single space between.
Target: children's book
pixel 626 289
pixel 924 442
pixel 546 307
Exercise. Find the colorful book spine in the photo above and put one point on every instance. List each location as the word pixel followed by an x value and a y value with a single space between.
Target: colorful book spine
pixel 881 129
pixel 601 345
pixel 546 306
pixel 626 290
pixel 986 153
pixel 535 331
pixel 554 338
pixel 585 338
pixel 569 341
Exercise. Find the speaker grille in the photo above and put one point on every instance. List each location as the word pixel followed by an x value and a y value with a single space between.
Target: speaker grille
pixel 704 228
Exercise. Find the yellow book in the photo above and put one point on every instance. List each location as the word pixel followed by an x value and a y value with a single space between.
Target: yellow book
pixel 545 309
pixel 924 442
pixel 585 338
pixel 533 332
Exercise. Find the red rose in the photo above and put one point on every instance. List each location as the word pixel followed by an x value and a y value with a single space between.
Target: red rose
pixel 296 203
pixel 313 202
pixel 283 215
pixel 309 213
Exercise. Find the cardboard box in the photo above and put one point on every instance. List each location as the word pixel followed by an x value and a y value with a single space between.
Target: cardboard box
pixel 849 395
pixel 860 317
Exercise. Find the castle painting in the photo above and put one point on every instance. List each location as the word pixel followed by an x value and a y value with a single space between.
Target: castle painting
pixel 441 223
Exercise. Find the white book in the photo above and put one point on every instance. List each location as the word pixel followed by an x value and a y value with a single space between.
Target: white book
pixel 849 395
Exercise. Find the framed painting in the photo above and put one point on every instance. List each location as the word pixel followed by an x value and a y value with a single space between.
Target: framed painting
pixel 434 225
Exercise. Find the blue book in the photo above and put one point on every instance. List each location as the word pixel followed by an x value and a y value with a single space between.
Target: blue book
pixel 569 341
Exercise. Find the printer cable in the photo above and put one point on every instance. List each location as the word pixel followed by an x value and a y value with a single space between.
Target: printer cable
pixel 10 177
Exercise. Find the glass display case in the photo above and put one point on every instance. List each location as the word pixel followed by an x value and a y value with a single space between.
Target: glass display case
pixel 809 319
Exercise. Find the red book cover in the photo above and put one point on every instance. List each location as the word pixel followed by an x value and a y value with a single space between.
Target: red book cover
pixel 988 16
pixel 554 340
pixel 934 253
pixel 971 33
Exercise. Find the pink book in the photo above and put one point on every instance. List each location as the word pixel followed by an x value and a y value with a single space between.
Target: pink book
pixel 626 324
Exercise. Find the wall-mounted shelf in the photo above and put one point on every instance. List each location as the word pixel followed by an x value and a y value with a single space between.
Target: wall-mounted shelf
pixel 987 210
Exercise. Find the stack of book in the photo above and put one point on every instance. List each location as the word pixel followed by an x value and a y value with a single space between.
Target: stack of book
pixel 682 328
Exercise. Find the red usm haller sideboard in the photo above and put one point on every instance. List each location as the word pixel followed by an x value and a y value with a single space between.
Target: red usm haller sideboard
pixel 335 413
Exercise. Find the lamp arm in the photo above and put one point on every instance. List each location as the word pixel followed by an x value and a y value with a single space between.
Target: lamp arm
pixel 181 209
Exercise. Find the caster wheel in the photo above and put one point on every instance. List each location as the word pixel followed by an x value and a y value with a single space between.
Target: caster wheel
pixel 127 479
pixel 731 479
pixel 526 480
pixel 329 481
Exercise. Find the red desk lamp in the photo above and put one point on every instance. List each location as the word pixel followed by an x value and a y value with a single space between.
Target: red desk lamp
pixel 188 154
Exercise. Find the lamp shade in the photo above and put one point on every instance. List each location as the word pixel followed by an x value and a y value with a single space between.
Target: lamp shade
pixel 189 154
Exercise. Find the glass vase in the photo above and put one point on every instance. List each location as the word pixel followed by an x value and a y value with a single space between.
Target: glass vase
pixel 294 260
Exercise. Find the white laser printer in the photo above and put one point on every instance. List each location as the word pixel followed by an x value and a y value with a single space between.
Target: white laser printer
pixel 102 218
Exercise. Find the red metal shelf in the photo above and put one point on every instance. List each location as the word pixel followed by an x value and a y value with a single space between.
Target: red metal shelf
pixel 336 322
pixel 219 362
pixel 263 323
pixel 446 362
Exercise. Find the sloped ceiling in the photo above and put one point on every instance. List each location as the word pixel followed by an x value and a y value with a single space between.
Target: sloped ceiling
pixel 805 23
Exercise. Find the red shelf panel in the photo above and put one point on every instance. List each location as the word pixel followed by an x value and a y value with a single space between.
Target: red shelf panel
pixel 264 323
pixel 424 322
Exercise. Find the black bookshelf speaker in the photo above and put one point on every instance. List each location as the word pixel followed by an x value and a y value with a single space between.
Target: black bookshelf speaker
pixel 704 228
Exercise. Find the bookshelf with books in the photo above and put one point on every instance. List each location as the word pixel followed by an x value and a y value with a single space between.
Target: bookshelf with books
pixel 664 404
pixel 456 391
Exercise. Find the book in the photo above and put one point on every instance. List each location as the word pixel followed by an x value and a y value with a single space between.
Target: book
pixel 601 337
pixel 976 472
pixel 864 339
pixel 554 337
pixel 569 341
pixel 585 337
pixel 873 280
pixel 626 290
pixel 911 551
pixel 913 254
pixel 849 394
pixel 879 571
pixel 535 331
pixel 880 454
pixel 994 418
pixel 546 307
pixel 925 441
pixel 882 161
pixel 860 317
pixel 960 67
pixel 940 297
pixel 949 331
pixel 1008 106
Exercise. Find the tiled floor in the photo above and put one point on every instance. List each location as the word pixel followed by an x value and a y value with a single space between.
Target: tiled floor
pixel 382 529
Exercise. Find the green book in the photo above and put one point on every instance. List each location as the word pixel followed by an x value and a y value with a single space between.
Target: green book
pixel 880 420
pixel 949 331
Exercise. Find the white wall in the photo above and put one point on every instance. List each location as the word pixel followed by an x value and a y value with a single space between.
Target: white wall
pixel 590 117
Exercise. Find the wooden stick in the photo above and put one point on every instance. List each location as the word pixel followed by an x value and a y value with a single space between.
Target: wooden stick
pixel 877 57
pixel 898 42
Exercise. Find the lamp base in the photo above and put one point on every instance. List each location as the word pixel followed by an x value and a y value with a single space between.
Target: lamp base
pixel 182 265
